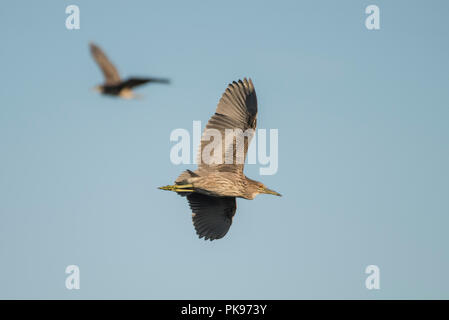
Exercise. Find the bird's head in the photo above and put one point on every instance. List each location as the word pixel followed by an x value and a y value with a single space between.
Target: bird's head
pixel 256 187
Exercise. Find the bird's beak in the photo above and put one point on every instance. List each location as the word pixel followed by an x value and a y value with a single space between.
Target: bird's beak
pixel 269 191
pixel 95 89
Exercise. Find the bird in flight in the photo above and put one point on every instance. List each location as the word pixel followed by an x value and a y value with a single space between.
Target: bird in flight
pixel 212 189
pixel 113 85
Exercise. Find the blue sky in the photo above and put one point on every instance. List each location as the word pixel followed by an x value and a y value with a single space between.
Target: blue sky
pixel 363 150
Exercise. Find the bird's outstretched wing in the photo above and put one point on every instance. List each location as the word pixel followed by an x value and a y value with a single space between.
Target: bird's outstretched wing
pixel 134 82
pixel 237 109
pixel 110 73
pixel 212 216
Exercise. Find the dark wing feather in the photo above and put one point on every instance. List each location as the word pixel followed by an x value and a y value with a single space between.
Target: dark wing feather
pixel 134 82
pixel 110 73
pixel 237 109
pixel 212 216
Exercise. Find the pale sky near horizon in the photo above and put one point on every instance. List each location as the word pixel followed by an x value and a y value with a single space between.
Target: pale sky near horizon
pixel 363 130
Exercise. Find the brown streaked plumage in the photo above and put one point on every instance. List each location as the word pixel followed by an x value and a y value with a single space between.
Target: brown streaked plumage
pixel 113 85
pixel 212 189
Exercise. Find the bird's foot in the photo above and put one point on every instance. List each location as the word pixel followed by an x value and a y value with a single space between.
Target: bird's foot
pixel 178 188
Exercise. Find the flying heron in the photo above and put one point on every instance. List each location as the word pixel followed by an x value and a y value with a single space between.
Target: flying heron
pixel 212 189
pixel 113 85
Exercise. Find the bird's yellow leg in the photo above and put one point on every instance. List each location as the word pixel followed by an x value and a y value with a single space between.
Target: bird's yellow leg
pixel 184 186
pixel 178 188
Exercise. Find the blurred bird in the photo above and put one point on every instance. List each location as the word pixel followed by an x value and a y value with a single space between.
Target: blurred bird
pixel 113 85
pixel 212 189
